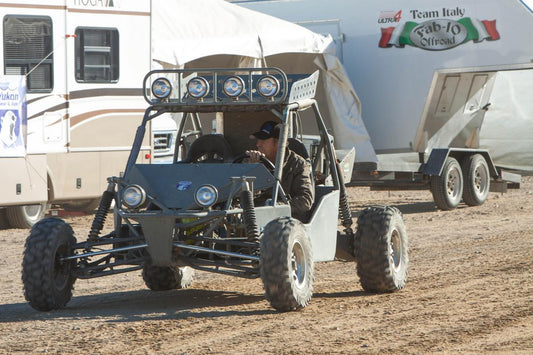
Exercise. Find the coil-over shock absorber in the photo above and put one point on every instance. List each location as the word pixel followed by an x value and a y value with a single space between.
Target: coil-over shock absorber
pixel 103 210
pixel 344 208
pixel 248 214
pixel 247 203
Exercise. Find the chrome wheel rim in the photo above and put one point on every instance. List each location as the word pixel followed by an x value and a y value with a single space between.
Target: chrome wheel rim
pixel 33 211
pixel 480 179
pixel 298 265
pixel 395 250
pixel 453 183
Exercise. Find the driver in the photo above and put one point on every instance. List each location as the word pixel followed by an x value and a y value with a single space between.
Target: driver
pixel 296 174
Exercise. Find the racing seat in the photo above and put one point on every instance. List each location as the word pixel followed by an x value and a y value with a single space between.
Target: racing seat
pixel 210 148
pixel 298 147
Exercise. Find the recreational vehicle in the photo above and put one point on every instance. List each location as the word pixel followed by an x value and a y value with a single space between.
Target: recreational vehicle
pixel 71 100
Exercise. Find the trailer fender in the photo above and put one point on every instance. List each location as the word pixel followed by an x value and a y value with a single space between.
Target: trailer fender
pixel 435 162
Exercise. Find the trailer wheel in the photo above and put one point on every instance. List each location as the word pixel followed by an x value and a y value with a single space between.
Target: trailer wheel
pixel 477 180
pixel 286 264
pixel 25 216
pixel 447 188
pixel 48 281
pixel 381 249
pixel 163 278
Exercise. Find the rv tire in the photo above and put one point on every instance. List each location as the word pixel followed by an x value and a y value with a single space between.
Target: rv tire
pixel 4 223
pixel 25 216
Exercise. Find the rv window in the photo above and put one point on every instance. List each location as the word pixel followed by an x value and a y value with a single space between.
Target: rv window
pixel 28 50
pixel 96 55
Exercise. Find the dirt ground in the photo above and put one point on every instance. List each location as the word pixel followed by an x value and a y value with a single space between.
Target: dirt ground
pixel 470 291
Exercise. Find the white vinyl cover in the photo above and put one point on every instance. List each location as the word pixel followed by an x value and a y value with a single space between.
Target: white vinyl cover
pixel 186 30
pixel 508 126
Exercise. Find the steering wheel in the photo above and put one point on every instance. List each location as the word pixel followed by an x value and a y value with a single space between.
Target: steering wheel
pixel 239 158
pixel 209 148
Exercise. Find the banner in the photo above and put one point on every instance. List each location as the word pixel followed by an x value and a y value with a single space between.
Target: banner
pixel 439 34
pixel 13 120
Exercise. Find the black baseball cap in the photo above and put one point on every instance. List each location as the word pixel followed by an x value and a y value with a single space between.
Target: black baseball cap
pixel 269 129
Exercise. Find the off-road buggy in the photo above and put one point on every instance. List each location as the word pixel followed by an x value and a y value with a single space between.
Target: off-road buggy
pixel 201 210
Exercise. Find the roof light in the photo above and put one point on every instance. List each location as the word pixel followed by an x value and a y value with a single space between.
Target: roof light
pixel 268 86
pixel 198 87
pixel 233 86
pixel 161 88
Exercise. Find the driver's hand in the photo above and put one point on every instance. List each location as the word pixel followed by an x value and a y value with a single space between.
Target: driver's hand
pixel 255 156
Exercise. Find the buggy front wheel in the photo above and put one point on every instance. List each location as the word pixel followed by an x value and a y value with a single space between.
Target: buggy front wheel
pixel 48 279
pixel 381 249
pixel 286 264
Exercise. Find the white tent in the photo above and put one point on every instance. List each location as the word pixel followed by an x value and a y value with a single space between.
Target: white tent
pixel 215 32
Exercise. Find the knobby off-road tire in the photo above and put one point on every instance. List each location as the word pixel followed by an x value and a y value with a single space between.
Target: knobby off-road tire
pixel 447 188
pixel 286 264
pixel 163 278
pixel 477 180
pixel 48 281
pixel 25 216
pixel 381 249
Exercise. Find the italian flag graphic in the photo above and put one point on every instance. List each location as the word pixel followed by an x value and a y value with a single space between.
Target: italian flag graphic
pixel 477 31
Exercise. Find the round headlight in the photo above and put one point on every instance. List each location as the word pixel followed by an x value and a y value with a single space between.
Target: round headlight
pixel 233 86
pixel 198 87
pixel 133 196
pixel 161 88
pixel 206 196
pixel 268 86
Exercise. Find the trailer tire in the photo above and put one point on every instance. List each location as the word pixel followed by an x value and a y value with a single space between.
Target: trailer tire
pixel 164 278
pixel 447 188
pixel 25 216
pixel 48 281
pixel 381 249
pixel 477 180
pixel 286 264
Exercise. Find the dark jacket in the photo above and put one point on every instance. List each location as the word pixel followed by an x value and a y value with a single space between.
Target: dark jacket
pixel 296 182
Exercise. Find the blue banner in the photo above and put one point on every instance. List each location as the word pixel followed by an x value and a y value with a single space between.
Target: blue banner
pixel 13 119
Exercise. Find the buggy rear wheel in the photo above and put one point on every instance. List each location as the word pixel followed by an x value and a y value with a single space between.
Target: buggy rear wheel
pixel 48 280
pixel 381 249
pixel 163 278
pixel 286 264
